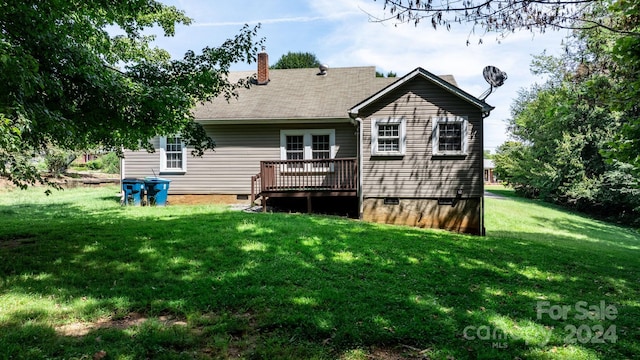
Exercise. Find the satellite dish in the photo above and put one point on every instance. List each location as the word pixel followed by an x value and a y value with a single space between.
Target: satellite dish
pixel 494 77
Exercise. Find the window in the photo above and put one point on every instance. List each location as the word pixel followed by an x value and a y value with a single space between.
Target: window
pixel 311 144
pixel 173 155
pixel 449 136
pixel 320 147
pixel 295 147
pixel 388 137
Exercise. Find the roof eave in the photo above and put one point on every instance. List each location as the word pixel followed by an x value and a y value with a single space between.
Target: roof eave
pixel 317 120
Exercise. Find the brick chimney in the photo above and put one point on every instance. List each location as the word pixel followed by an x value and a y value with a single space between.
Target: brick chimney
pixel 263 67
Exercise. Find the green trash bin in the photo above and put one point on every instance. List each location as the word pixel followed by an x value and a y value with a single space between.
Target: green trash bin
pixel 157 190
pixel 133 191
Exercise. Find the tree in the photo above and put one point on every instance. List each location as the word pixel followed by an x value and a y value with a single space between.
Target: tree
pixel 505 16
pixel 390 74
pixel 625 57
pixel 562 131
pixel 297 60
pixel 68 83
pixel 486 154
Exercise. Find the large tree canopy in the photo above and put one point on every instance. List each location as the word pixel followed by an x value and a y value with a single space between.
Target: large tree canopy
pixel 68 82
pixel 568 132
pixel 297 60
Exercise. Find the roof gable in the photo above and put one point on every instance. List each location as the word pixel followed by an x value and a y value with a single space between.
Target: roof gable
pixel 443 82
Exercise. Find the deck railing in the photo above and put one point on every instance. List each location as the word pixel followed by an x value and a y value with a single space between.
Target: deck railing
pixel 308 175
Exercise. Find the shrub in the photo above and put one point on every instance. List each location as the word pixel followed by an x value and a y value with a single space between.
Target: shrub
pixel 57 161
pixel 95 164
pixel 111 163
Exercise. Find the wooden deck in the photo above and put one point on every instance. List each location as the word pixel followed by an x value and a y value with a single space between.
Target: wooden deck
pixel 305 178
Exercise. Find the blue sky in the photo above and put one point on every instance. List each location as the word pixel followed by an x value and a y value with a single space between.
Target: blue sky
pixel 340 34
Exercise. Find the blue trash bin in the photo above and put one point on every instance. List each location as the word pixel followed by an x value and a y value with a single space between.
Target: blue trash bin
pixel 133 191
pixel 157 190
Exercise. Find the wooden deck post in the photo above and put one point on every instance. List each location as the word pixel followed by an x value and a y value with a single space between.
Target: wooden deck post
pixel 309 203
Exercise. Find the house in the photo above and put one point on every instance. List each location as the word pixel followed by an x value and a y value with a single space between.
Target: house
pixel 394 150
pixel 489 174
pixel 85 158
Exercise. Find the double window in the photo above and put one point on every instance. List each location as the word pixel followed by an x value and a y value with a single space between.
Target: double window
pixel 388 137
pixel 310 144
pixel 449 136
pixel 173 155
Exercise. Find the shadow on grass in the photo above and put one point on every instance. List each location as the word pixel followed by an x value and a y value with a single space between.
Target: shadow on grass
pixel 292 286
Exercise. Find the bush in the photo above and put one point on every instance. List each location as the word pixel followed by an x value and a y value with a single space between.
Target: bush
pixel 111 163
pixel 57 161
pixel 95 164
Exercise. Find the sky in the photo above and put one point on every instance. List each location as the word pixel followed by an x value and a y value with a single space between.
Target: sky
pixel 340 34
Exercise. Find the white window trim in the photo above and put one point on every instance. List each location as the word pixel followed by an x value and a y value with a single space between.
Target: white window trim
pixel 307 137
pixel 402 133
pixel 163 158
pixel 435 135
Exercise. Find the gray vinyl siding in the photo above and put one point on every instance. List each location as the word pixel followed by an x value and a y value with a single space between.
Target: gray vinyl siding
pixel 419 174
pixel 239 150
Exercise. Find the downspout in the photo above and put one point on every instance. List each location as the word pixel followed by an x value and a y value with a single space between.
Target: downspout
pixel 483 231
pixel 122 174
pixel 356 121
pixel 122 169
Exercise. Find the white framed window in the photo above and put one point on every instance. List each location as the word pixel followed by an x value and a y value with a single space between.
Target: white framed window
pixel 449 136
pixel 294 147
pixel 173 155
pixel 321 146
pixel 388 137
pixel 308 144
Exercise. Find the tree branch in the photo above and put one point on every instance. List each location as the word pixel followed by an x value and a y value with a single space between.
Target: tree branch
pixel 500 15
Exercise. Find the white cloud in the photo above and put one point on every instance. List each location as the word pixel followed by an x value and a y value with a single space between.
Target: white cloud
pixel 282 20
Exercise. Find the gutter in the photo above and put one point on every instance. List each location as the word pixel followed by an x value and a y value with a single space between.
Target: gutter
pixel 228 121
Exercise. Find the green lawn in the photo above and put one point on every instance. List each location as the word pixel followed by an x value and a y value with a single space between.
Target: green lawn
pixel 79 275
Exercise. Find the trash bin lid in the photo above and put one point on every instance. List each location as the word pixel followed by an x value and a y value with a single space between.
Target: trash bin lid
pixel 156 180
pixel 132 180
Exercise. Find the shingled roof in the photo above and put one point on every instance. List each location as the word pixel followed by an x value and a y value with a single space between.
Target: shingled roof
pixel 299 94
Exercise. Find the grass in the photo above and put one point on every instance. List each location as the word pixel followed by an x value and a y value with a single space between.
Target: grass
pixel 82 277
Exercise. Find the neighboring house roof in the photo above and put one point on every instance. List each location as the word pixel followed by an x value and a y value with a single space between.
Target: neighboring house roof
pixel 295 94
pixel 440 81
pixel 488 164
